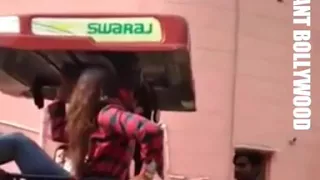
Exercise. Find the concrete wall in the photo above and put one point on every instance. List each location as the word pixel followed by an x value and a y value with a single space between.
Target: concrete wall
pixel 263 113
pixel 200 144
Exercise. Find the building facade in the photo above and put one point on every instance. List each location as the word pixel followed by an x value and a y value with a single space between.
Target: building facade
pixel 242 64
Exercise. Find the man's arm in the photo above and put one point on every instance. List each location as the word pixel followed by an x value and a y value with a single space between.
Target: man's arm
pixel 147 133
pixel 44 129
pixel 56 113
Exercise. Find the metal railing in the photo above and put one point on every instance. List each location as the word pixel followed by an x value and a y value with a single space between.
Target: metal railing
pixel 19 127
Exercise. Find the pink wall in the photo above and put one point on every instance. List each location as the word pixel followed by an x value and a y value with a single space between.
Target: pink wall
pixel 262 111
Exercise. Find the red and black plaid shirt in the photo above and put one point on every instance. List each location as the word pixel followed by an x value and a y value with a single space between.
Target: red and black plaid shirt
pixel 113 142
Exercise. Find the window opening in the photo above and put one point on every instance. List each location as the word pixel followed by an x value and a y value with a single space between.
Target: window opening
pixel 251 163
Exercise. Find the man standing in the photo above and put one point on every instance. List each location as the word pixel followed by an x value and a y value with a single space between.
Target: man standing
pixel 135 88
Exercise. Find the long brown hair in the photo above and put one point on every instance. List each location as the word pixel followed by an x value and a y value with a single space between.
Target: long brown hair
pixel 82 112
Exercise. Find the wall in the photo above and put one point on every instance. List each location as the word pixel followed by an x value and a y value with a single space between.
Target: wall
pixel 200 143
pixel 192 151
pixel 263 113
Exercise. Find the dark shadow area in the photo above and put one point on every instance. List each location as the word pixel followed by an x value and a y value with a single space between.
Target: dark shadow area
pixel 250 164
pixel 168 71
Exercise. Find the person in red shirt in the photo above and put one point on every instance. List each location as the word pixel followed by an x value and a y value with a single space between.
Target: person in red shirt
pixel 100 133
pixel 137 91
pixel 147 106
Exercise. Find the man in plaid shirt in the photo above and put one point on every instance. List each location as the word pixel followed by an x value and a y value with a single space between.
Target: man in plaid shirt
pixel 112 146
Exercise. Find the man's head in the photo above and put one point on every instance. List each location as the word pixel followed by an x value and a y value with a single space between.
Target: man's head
pixel 60 154
pixel 70 72
pixel 247 165
pixel 128 68
pixel 130 76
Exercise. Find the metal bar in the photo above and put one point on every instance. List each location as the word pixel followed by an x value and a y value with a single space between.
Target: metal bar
pixel 19 126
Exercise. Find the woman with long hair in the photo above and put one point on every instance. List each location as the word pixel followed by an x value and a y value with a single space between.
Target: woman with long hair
pixel 100 133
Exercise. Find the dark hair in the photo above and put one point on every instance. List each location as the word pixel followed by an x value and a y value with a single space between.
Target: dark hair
pixel 147 99
pixel 255 158
pixel 128 68
pixel 85 104
pixel 71 71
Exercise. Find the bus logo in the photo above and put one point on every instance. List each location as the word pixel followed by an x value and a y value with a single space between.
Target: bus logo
pixel 103 30
pixel 120 29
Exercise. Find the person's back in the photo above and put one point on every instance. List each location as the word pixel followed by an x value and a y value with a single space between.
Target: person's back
pixel 112 146
pixel 107 133
pixel 98 131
